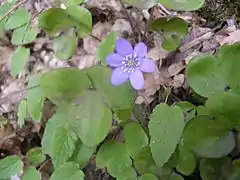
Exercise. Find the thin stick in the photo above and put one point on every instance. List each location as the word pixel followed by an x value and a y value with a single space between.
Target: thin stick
pixel 12 9
pixel 16 92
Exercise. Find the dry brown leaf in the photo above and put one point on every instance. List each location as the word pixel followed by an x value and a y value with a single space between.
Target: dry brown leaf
pixel 175 68
pixel 87 61
pixel 178 80
pixel 157 53
pixel 230 38
pixel 120 26
pixel 105 4
pixel 100 30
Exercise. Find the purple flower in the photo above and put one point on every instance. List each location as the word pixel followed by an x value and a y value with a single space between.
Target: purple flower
pixel 129 63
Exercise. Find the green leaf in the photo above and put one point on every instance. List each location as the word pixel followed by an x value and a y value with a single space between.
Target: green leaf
pixel 225 105
pixel 203 76
pixel 106 47
pixel 35 98
pixel 4 8
pixel 91 123
pixel 82 154
pixel 23 35
pixel 65 45
pixel 19 60
pixel 69 84
pixel 114 156
pixel 148 177
pixel 120 97
pixel 63 145
pixel 186 162
pixel 10 166
pixel 215 169
pixel 219 148
pixel 35 156
pixel 31 173
pixel 70 171
pixel 172 29
pixel 187 5
pixel 58 120
pixel 73 2
pixel 163 121
pixel 22 112
pixel 135 138
pixel 54 20
pixel 82 18
pixel 142 4
pixel 58 139
pixel 229 65
pixel 202 131
pixel 175 176
pixel 17 19
pixel 185 105
pixel 144 163
pixel 108 151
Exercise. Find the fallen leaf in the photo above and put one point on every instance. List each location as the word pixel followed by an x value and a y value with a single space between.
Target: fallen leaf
pixel 231 38
pixel 178 80
pixel 175 68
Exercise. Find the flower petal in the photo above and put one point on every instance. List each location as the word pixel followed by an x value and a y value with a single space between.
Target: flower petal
pixel 123 47
pixel 137 80
pixel 114 60
pixel 140 49
pixel 147 65
pixel 119 77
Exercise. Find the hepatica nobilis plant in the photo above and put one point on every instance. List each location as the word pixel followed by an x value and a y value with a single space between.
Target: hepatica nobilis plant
pixel 129 63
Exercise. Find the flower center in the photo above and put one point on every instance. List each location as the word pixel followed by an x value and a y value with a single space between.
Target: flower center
pixel 130 63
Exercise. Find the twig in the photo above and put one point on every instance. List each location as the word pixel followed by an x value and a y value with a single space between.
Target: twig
pixel 12 9
pixel 164 9
pixel 44 164
pixel 95 37
pixel 16 92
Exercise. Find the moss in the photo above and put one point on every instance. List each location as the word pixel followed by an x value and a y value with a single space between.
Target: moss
pixel 216 11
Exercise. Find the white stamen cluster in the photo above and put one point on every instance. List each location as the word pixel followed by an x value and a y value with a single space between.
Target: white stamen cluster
pixel 130 63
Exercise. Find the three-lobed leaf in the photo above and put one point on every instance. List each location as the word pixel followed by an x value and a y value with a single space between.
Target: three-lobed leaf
pixel 90 119
pixel 142 4
pixel 163 122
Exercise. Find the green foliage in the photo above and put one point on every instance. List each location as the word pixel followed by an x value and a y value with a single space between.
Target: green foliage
pixel 163 121
pixel 106 47
pixel 188 5
pixel 119 166
pixel 148 177
pixel 31 173
pixel 17 19
pixel 10 166
pixel 82 19
pixel 65 45
pixel 19 60
pixel 69 84
pixel 142 4
pixel 91 123
pixel 196 135
pixel 35 156
pixel 23 35
pixel 22 112
pixel 69 170
pixel 172 30
pixel 135 138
